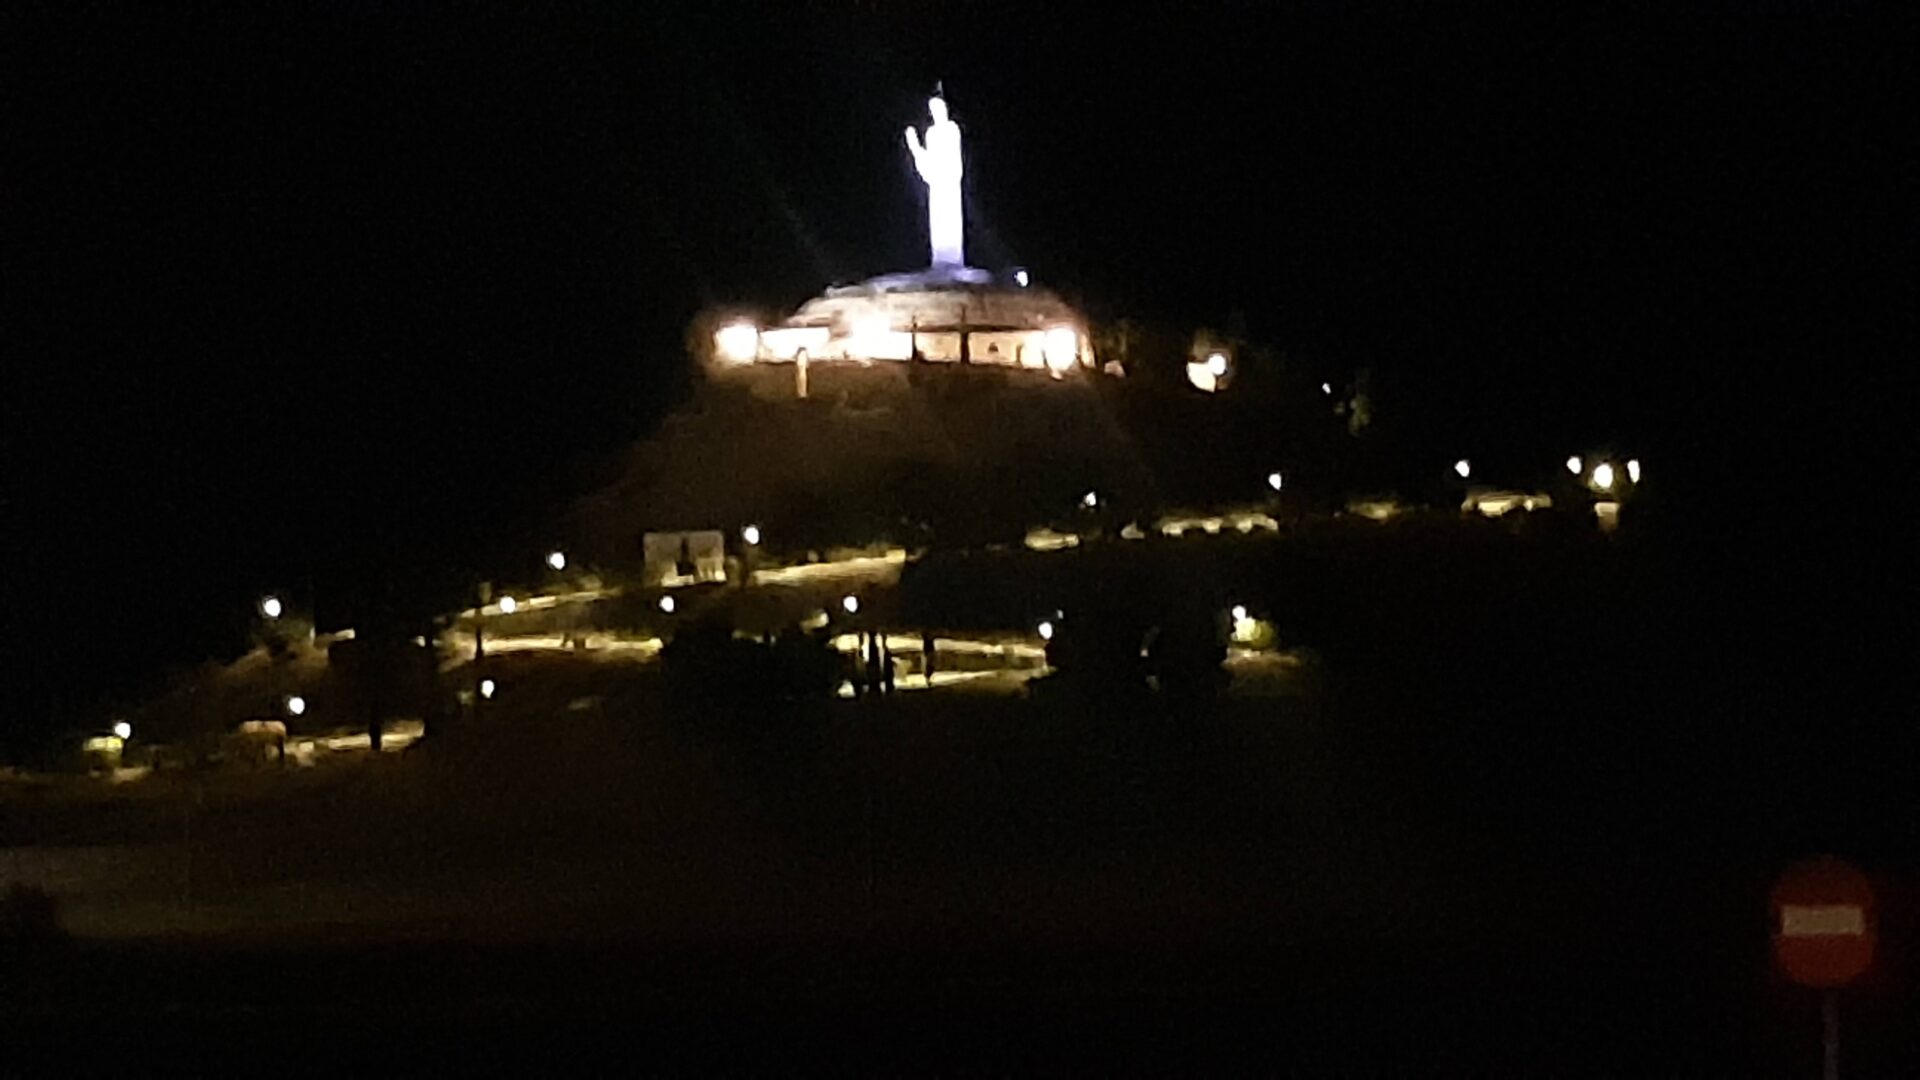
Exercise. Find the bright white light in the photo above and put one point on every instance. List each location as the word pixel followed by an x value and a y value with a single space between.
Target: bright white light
pixel 1020 278
pixel 939 164
pixel 1603 477
pixel 850 604
pixel 1239 612
pixel 1463 468
pixel 1633 469
pixel 271 607
pixel 751 534
pixel 1201 378
pixel 666 604
pixel 1060 347
pixel 1090 500
pixel 1326 388
pixel 486 689
pixel 557 560
pixel 123 729
pixel 1574 464
pixel 1217 364
pixel 737 342
pixel 1275 480
pixel 296 705
pixel 872 337
pixel 1046 631
pixel 508 605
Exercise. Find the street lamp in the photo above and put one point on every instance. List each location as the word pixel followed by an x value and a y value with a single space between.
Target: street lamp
pixel 1090 500
pixel 1326 388
pixel 296 705
pixel 124 730
pixel 486 689
pixel 1046 630
pixel 1275 480
pixel 271 607
pixel 1239 613
pixel 666 604
pixel 1633 469
pixel 556 560
pixel 1603 477
pixel 751 534
pixel 1463 468
pixel 508 605
pixel 1574 464
pixel 850 604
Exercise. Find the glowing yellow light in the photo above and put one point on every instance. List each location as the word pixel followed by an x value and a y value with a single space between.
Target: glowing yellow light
pixel 1060 347
pixel 1574 465
pixel 296 705
pixel 557 560
pixel 737 342
pixel 1275 480
pixel 751 534
pixel 1633 470
pixel 1217 364
pixel 271 607
pixel 1239 612
pixel 123 730
pixel 666 604
pixel 1603 477
pixel 508 605
pixel 1044 539
pixel 1046 631
pixel 1463 468
pixel 486 689
pixel 103 744
pixel 850 604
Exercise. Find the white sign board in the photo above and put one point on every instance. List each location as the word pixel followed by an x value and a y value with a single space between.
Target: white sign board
pixel 684 558
pixel 1822 920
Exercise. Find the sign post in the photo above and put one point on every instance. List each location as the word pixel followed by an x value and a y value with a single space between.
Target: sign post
pixel 1823 937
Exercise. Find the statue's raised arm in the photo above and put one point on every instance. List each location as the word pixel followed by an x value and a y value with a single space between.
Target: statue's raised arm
pixel 919 152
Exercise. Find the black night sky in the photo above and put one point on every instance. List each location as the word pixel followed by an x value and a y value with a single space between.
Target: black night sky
pixel 343 292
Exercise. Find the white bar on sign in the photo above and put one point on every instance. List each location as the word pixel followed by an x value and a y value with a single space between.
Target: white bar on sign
pixel 1821 920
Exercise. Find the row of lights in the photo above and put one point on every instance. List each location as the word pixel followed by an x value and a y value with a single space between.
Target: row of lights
pixel 1603 474
pixel 739 342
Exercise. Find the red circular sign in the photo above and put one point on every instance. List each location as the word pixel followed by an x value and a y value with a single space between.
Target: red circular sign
pixel 1823 922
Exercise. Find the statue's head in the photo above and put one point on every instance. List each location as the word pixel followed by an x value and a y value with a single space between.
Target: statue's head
pixel 938 107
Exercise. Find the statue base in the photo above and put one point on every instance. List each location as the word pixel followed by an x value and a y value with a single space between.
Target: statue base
pixel 932 277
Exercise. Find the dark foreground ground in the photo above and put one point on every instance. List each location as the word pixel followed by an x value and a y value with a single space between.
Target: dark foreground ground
pixel 1517 819
pixel 1658 1008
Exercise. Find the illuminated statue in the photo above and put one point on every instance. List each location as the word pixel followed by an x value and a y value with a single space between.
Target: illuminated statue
pixel 939 165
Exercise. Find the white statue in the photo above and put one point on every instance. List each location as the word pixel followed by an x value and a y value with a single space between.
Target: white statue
pixel 939 165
